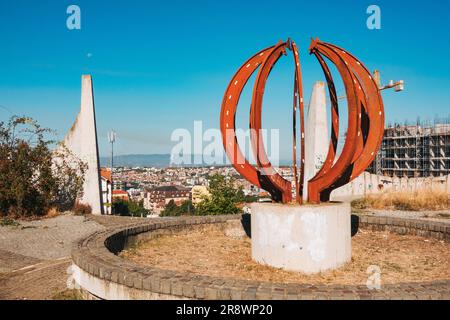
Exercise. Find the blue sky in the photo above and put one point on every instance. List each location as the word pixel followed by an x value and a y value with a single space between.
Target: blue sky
pixel 158 66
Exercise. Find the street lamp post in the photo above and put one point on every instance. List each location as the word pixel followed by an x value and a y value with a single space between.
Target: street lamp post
pixel 398 85
pixel 112 140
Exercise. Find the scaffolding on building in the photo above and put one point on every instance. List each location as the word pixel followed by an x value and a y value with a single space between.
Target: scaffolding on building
pixel 420 149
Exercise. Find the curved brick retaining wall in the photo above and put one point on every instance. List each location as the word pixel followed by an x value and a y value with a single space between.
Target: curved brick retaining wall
pixel 102 274
pixel 424 228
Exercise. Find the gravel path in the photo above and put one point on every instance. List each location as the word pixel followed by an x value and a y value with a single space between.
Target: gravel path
pixel 35 255
pixel 46 239
pixel 40 281
pixel 10 261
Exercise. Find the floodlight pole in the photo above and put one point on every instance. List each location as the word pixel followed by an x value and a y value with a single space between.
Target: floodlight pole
pixel 398 85
pixel 112 140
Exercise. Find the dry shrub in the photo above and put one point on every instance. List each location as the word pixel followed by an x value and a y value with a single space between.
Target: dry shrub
pixel 33 177
pixel 7 221
pixel 405 200
pixel 53 212
pixel 82 209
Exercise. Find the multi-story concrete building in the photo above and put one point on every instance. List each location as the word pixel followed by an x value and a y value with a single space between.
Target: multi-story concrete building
pixel 157 198
pixel 198 193
pixel 420 150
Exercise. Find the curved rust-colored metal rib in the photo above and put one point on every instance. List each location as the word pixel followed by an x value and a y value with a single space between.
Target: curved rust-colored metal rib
pixel 319 185
pixel 298 103
pixel 370 123
pixel 329 161
pixel 282 185
pixel 227 120
pixel 297 182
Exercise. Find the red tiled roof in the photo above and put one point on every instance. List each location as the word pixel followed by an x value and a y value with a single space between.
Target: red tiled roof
pixel 121 192
pixel 170 188
pixel 105 173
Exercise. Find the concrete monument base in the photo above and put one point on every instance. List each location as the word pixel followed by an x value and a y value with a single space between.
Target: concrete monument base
pixel 309 238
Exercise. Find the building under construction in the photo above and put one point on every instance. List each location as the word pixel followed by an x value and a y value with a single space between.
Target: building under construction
pixel 419 150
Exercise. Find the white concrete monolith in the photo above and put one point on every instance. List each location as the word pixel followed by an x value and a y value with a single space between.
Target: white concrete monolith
pixel 81 140
pixel 316 134
pixel 308 239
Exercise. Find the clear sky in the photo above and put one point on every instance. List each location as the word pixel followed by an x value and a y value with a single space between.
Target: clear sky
pixel 158 66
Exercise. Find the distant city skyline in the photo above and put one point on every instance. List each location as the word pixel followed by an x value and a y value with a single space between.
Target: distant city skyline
pixel 157 67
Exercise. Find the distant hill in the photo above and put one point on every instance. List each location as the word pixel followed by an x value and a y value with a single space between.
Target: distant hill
pixel 150 160
pixel 138 160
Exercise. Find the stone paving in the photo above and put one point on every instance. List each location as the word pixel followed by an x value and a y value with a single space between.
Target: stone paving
pixel 48 238
pixel 38 281
pixel 10 261
pixel 35 255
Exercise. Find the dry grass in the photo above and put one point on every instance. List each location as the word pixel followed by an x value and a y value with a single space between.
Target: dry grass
pixel 209 252
pixel 407 201
pixel 68 294
pixel 81 209
pixel 7 221
pixel 52 213
pixel 12 220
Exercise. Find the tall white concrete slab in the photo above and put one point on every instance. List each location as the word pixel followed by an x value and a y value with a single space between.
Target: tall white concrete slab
pixel 316 134
pixel 81 140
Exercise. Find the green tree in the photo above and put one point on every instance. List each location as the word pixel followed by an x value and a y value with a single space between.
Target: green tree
pixel 172 210
pixel 224 197
pixel 129 208
pixel 120 208
pixel 33 178
pixel 136 209
pixel 186 208
pixel 249 199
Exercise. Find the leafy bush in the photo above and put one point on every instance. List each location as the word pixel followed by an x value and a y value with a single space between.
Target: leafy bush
pixel 223 199
pixel 68 172
pixel 129 208
pixel 136 209
pixel 172 210
pixel 120 208
pixel 33 178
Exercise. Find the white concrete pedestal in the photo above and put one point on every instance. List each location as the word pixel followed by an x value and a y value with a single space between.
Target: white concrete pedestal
pixel 309 238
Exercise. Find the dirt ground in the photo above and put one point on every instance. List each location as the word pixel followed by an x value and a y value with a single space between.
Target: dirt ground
pixel 44 280
pixel 209 252
pixel 35 255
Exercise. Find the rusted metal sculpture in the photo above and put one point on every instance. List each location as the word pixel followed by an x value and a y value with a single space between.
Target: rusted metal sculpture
pixel 364 131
